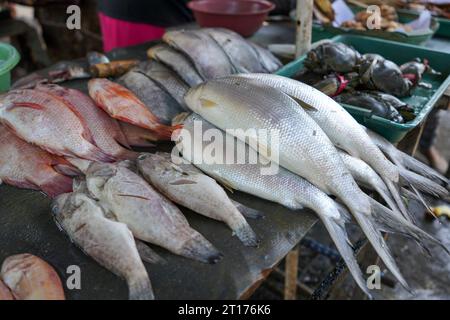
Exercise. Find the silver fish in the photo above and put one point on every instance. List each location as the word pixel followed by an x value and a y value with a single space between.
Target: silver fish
pixel 267 59
pixel 186 185
pixel 242 55
pixel 108 242
pixel 150 216
pixel 208 57
pixel 294 192
pixel 165 78
pixel 284 187
pixel 157 100
pixel 340 126
pixel 303 147
pixel 177 61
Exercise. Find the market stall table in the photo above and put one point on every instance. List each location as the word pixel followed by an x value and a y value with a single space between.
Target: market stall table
pixel 26 225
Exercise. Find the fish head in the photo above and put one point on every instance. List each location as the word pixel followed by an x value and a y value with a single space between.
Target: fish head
pixel 98 175
pixel 58 203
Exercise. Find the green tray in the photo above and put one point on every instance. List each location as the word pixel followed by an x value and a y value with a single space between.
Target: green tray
pixel 320 32
pixel 444 24
pixel 422 99
pixel 444 27
pixel 9 57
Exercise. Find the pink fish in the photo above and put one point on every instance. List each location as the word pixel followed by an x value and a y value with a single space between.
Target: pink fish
pixel 26 166
pixel 41 119
pixel 105 130
pixel 120 103
pixel 137 136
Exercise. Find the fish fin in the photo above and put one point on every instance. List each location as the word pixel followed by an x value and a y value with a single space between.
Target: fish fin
pixel 141 289
pixel 30 105
pixel 420 168
pixel 206 103
pixel 147 254
pixel 67 170
pixel 200 249
pixel 59 184
pixel 225 183
pixel 395 192
pixel 373 234
pixel 248 212
pixel 245 234
pixel 96 154
pixel 179 118
pixel 423 184
pixel 303 104
pixel 22 184
pixel 164 132
pixel 387 222
pixel 337 232
pixel 182 181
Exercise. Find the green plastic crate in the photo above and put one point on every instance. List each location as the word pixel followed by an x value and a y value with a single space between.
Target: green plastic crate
pixel 444 24
pixel 422 99
pixel 9 57
pixel 320 32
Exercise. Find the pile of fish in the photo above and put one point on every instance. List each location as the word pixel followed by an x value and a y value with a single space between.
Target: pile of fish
pixel 188 58
pixel 370 81
pixel 111 201
pixel 27 277
pixel 322 151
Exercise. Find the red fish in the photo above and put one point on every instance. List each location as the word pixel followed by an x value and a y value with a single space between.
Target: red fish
pixel 41 119
pixel 120 103
pixel 105 130
pixel 26 166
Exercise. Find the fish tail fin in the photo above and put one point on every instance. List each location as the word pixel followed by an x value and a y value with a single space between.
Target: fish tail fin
pixel 125 154
pixel 388 222
pixel 374 236
pixel 96 154
pixel 147 254
pixel 165 132
pixel 421 168
pixel 57 185
pixel 423 184
pixel 244 232
pixel 338 233
pixel 200 249
pixel 141 289
pixel 248 212
pixel 381 188
pixel 395 192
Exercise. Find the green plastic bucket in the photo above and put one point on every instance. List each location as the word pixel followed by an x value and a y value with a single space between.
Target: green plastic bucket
pixel 422 100
pixel 9 57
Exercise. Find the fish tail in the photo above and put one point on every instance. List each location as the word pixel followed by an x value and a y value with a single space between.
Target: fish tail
pixel 388 222
pixel 125 154
pixel 244 232
pixel 57 185
pixel 421 168
pixel 374 236
pixel 200 249
pixel 141 289
pixel 147 254
pixel 96 154
pixel 165 132
pixel 334 220
pixel 423 184
pixel 395 192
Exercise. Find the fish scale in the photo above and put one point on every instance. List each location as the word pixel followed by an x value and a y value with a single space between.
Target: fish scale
pixel 311 156
pixel 41 119
pixel 339 125
pixel 105 130
pixel 284 187
pixel 108 242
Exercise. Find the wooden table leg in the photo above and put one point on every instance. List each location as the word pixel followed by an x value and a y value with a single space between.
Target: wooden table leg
pixel 290 280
